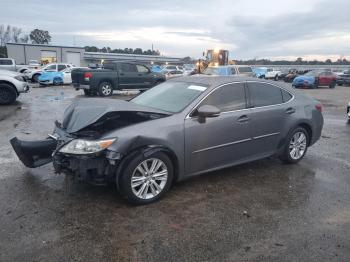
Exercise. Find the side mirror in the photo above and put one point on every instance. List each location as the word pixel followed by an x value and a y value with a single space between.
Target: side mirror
pixel 207 111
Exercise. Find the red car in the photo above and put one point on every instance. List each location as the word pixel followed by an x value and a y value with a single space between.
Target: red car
pixel 315 79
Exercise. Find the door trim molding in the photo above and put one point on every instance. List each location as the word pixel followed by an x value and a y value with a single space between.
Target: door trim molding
pixel 222 145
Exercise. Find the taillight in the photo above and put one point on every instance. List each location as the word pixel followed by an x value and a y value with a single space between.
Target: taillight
pixel 319 107
pixel 87 76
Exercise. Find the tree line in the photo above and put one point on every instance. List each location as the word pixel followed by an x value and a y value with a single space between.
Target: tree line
pixel 13 34
pixel 298 61
pixel 136 51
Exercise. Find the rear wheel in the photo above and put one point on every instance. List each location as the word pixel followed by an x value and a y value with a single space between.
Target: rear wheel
pixel 333 84
pixel 105 89
pixel 8 94
pixel 89 92
pixel 296 146
pixel 145 180
pixel 35 78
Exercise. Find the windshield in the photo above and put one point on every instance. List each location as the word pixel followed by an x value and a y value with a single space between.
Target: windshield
pixel 215 71
pixel 312 73
pixel 170 96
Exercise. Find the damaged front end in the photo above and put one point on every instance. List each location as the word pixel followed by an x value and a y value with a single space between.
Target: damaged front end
pixel 78 146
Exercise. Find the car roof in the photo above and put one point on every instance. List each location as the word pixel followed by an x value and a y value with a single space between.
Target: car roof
pixel 214 81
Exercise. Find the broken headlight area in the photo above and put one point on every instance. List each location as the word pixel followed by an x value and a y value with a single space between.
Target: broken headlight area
pixel 94 169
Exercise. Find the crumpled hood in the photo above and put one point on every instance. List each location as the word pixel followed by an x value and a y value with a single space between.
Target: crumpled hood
pixel 84 112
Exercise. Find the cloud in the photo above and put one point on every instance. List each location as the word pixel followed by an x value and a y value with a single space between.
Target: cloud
pixel 247 28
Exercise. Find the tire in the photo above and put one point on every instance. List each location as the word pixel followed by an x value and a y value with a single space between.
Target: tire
pixel 293 153
pixel 332 85
pixel 340 84
pixel 89 92
pixel 105 89
pixel 276 78
pixel 8 94
pixel 35 78
pixel 148 188
pixel 57 81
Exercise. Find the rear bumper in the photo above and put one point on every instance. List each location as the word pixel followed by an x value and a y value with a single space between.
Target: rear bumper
pixel 79 86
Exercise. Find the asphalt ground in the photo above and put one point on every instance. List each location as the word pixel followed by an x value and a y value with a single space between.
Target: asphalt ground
pixel 260 211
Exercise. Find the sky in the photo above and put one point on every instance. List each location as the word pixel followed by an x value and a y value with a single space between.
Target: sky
pixel 286 29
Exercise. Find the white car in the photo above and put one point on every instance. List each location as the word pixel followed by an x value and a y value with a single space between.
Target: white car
pixel 11 85
pixel 56 78
pixel 272 73
pixel 33 75
pixel 169 68
pixel 174 73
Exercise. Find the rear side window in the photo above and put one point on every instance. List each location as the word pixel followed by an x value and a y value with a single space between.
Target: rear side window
pixel 286 96
pixel 141 69
pixel 262 94
pixel 109 66
pixel 227 98
pixel 245 70
pixel 6 62
pixel 128 68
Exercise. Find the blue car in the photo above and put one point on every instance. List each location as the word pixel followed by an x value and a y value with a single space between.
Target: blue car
pixel 260 72
pixel 55 78
pixel 316 78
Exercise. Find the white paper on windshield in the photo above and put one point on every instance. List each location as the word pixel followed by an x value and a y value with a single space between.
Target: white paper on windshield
pixel 198 88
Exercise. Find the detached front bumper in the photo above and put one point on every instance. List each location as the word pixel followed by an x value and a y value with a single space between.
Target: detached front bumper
pixel 96 168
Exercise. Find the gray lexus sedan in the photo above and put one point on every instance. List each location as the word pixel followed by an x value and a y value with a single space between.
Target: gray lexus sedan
pixel 183 127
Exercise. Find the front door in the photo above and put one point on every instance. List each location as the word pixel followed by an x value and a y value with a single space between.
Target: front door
pixel 128 76
pixel 223 140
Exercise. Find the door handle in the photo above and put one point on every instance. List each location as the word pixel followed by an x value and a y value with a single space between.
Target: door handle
pixel 290 110
pixel 243 118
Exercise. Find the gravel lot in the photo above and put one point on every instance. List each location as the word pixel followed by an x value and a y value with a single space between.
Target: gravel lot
pixel 261 211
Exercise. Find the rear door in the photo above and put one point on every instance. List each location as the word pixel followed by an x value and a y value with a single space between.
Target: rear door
pixel 270 115
pixel 128 76
pixel 223 140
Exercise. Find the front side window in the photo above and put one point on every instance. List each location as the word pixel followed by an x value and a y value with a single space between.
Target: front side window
pixel 141 69
pixel 61 67
pixel 262 94
pixel 227 98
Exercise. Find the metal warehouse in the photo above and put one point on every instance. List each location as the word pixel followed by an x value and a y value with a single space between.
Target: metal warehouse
pixel 23 53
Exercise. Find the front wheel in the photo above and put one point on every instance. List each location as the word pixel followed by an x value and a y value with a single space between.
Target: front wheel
pixel 105 89
pixel 145 180
pixel 296 146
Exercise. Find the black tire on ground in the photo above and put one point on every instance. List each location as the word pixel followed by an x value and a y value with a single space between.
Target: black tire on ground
pixel 127 173
pixel 333 84
pixel 286 155
pixel 35 78
pixel 340 84
pixel 276 78
pixel 89 92
pixel 105 89
pixel 8 94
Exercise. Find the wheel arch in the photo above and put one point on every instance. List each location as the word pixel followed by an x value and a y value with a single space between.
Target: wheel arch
pixel 10 84
pixel 147 151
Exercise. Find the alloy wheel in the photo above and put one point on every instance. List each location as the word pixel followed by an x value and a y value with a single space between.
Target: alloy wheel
pixel 106 89
pixel 297 145
pixel 149 178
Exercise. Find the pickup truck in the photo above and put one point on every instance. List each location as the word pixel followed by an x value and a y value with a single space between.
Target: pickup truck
pixel 115 76
pixel 10 64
